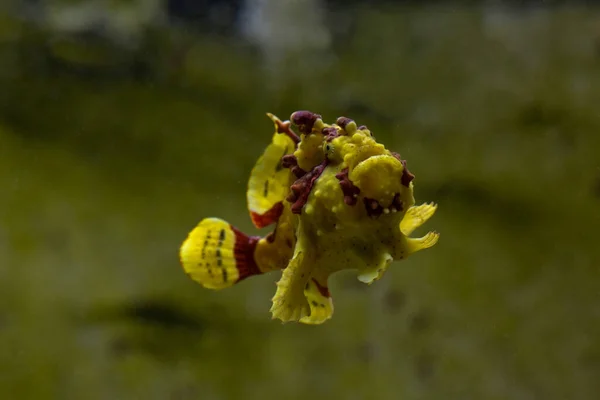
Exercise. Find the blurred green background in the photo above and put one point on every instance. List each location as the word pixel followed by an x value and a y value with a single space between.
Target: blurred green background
pixel 119 132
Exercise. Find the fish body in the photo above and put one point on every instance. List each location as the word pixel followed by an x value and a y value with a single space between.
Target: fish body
pixel 338 200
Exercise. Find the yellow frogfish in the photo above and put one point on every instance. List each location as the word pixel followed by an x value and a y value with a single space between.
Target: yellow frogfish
pixel 338 200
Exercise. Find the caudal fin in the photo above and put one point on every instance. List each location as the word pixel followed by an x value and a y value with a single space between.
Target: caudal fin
pixel 217 255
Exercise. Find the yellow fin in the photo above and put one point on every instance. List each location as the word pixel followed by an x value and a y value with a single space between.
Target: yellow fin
pixel 217 255
pixel 416 216
pixel 416 244
pixel 289 302
pixel 370 275
pixel 269 182
pixel 320 302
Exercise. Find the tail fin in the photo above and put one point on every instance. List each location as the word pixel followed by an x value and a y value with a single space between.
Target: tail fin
pixel 217 255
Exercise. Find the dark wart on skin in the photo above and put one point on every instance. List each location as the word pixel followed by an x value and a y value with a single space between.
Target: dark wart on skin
pixel 330 133
pixel 300 190
pixel 305 120
pixel 290 161
pixel 407 177
pixel 342 122
pixel 349 190
pixel 374 209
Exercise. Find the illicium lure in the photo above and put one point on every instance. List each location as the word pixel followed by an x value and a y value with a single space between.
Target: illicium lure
pixel 338 200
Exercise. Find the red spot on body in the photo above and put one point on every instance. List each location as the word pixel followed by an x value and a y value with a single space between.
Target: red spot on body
pixel 343 121
pixel 243 251
pixel 290 161
pixel 330 133
pixel 268 218
pixel 374 209
pixel 302 187
pixel 270 237
pixel 407 177
pixel 324 290
pixel 305 120
pixel 349 190
pixel 397 202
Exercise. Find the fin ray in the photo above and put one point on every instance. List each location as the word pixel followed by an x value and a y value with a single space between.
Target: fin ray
pixel 320 301
pixel 269 182
pixel 217 255
pixel 416 216
pixel 289 302
pixel 417 244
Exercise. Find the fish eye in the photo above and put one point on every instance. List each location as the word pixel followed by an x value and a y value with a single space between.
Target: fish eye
pixel 329 150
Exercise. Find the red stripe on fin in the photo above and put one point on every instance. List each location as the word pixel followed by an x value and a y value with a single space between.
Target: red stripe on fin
pixel 243 251
pixel 324 290
pixel 268 218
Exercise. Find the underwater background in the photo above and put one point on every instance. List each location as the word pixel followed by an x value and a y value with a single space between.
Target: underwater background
pixel 124 123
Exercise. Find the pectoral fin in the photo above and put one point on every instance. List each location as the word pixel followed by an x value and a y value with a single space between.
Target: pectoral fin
pixel 416 244
pixel 289 302
pixel 319 299
pixel 370 274
pixel 416 216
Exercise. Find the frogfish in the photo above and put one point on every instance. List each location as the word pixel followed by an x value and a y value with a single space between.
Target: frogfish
pixel 336 198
